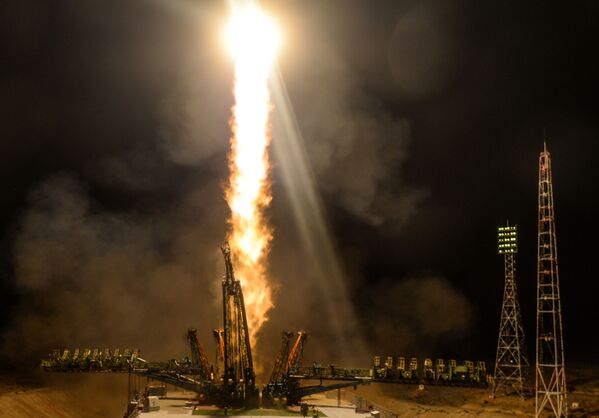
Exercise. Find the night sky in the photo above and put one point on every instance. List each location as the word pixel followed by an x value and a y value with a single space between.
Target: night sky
pixel 422 122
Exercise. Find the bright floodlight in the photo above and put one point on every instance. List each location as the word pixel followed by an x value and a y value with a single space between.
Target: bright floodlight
pixel 507 239
pixel 252 36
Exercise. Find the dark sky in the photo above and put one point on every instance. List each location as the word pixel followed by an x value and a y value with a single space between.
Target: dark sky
pixel 422 121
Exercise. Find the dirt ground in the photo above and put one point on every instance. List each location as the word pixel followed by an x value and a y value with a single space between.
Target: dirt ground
pixel 438 401
pixel 41 395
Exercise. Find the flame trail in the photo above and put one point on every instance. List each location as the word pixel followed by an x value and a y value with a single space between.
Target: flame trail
pixel 253 40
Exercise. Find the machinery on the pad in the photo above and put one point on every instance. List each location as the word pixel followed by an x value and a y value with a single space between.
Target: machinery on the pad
pixel 231 381
pixel 438 373
pixel 284 385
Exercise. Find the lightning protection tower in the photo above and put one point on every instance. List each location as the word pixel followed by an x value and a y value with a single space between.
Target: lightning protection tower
pixel 550 375
pixel 511 363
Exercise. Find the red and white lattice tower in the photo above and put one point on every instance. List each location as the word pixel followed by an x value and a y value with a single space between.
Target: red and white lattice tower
pixel 550 375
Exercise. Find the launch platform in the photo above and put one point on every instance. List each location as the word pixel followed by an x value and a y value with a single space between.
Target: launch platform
pixel 182 404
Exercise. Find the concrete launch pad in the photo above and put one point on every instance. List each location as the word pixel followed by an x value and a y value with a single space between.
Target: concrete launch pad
pixel 179 404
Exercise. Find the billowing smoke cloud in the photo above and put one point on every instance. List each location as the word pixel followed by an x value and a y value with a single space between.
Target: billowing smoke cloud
pixel 196 112
pixel 418 315
pixel 355 145
pixel 91 277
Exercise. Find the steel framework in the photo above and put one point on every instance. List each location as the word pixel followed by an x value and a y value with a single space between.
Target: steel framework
pixel 511 362
pixel 239 376
pixel 550 376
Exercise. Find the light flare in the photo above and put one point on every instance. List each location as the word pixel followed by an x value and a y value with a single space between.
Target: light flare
pixel 253 40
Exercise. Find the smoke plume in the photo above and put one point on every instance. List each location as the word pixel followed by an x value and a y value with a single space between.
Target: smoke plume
pixel 356 146
pixel 91 277
pixel 427 314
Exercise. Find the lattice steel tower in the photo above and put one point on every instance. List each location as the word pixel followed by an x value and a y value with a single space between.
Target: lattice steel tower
pixel 550 376
pixel 239 375
pixel 511 362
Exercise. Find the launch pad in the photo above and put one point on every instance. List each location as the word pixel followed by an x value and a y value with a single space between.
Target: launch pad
pixel 230 382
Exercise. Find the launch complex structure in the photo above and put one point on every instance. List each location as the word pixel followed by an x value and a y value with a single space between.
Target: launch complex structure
pixel 231 380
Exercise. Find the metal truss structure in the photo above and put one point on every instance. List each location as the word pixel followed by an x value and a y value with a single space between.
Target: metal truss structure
pixel 511 362
pixel 550 375
pixel 239 376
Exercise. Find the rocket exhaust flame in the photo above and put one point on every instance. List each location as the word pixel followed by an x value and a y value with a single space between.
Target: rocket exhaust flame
pixel 253 40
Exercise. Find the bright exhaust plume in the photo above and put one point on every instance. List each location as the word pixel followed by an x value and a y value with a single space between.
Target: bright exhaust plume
pixel 253 40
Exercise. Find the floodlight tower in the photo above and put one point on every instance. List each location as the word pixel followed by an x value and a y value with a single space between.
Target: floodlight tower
pixel 550 375
pixel 511 363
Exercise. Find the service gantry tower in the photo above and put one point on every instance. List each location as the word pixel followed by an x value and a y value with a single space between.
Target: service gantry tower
pixel 550 375
pixel 239 375
pixel 511 362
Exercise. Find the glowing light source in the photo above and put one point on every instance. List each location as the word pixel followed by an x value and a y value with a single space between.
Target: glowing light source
pixel 252 36
pixel 507 239
pixel 253 40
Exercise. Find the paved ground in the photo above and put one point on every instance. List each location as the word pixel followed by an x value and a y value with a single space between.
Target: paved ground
pixel 174 407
